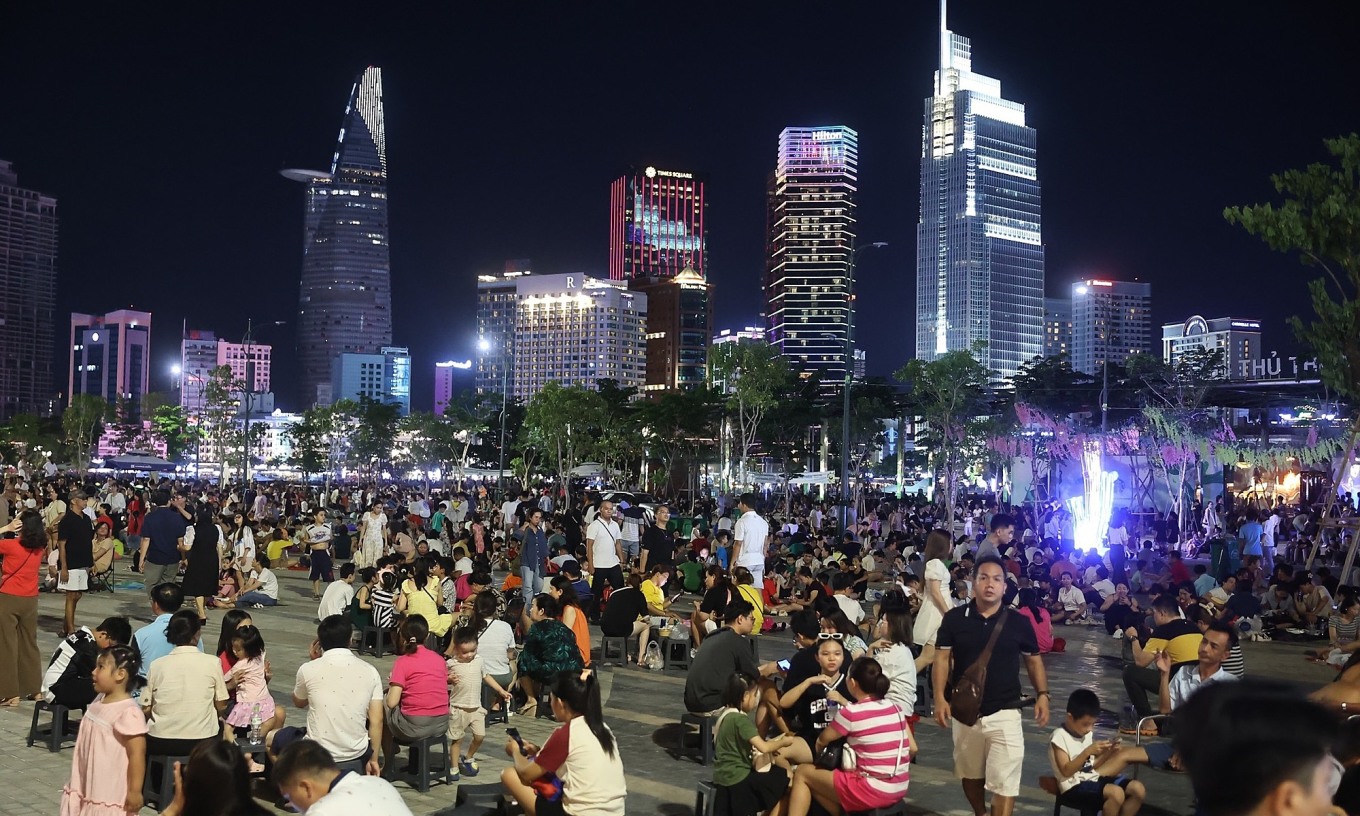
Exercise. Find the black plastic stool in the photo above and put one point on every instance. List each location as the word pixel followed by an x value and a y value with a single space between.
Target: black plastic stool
pixel 56 732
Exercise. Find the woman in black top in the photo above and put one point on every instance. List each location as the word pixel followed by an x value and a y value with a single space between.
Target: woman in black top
pixel 815 701
pixel 718 593
pixel 626 614
pixel 200 576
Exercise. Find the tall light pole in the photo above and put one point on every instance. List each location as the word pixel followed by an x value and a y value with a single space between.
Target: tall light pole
pixel 485 346
pixel 849 378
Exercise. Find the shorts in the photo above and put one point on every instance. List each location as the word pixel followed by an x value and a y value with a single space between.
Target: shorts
pixel 321 566
pixel 1090 795
pixel 407 728
pixel 992 750
pixel 77 580
pixel 460 720
pixel 757 793
pixel 544 807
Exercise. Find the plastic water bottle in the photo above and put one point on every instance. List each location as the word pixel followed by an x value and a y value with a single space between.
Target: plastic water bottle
pixel 253 735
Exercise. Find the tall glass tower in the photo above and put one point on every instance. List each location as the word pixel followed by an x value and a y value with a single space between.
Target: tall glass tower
pixel 345 301
pixel 980 253
pixel 810 228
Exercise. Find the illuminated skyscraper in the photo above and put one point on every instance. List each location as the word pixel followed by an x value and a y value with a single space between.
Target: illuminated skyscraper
pixel 28 281
pixel 657 225
pixel 1111 321
pixel 111 358
pixel 345 303
pixel 810 246
pixel 980 253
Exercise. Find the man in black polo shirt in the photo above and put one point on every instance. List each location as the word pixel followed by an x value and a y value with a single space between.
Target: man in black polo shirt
pixel 75 556
pixel 724 653
pixel 658 546
pixel 989 754
pixel 162 534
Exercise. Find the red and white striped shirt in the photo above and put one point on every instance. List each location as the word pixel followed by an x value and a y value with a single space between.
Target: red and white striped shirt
pixel 876 731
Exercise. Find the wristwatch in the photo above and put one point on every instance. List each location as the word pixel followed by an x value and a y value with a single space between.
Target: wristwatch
pixel 1042 693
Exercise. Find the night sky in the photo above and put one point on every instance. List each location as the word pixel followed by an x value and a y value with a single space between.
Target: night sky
pixel 162 133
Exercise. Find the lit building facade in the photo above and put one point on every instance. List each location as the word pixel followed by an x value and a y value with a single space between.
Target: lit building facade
pixel 345 301
pixel 444 376
pixel 1057 327
pixel 111 358
pixel 980 252
pixel 679 322
pixel 810 247
pixel 1111 320
pixel 749 334
pixel 201 352
pixel 1239 337
pixel 383 377
pixel 657 225
pixel 577 330
pixel 28 297
pixel 496 303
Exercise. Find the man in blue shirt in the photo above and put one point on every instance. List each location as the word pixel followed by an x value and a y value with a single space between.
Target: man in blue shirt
pixel 150 641
pixel 1251 533
pixel 162 534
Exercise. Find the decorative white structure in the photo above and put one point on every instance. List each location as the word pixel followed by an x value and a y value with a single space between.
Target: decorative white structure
pixel 1091 511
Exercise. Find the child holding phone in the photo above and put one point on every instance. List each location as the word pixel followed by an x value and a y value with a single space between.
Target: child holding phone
pixel 1087 771
pixel 748 776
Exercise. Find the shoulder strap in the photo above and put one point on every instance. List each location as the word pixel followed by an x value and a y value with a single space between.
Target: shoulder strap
pixel 986 656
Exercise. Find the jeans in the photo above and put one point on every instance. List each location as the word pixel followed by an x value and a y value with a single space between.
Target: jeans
pixel 631 549
pixel 248 598
pixel 533 583
pixel 1138 681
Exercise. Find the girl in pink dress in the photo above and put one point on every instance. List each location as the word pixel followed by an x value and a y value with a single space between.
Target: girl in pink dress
pixel 246 678
pixel 110 757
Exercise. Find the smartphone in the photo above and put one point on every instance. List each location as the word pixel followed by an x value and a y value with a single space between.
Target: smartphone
pixel 513 733
pixel 674 598
pixel 783 665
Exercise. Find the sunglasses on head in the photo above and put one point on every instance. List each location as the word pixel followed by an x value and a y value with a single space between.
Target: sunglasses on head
pixel 830 636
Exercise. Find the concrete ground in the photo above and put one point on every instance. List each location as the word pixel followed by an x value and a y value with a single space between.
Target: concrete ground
pixel 643 708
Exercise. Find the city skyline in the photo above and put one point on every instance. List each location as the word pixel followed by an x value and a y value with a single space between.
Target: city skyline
pixel 453 219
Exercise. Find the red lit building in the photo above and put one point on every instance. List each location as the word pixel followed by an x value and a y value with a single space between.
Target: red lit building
pixel 657 225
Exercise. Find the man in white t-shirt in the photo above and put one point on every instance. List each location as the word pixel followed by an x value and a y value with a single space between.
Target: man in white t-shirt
pixel 338 594
pixel 604 554
pixel 508 509
pixel 343 698
pixel 749 534
pixel 306 774
pixel 1270 528
pixel 1071 602
pixel 262 587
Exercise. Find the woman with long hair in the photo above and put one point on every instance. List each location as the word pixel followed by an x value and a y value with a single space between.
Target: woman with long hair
pixel 876 730
pixel 1039 618
pixel 936 602
pixel 582 753
pixel 215 782
pixel 200 576
pixel 495 640
pixel 422 595
pixel 892 650
pixel 835 620
pixel 569 605
pixel 20 558
pixel 718 593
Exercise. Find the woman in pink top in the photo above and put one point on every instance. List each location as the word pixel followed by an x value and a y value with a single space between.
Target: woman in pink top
pixel 417 701
pixel 876 731
pixel 1038 618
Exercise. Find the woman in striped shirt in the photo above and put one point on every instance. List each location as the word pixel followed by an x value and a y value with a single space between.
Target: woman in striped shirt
pixel 876 731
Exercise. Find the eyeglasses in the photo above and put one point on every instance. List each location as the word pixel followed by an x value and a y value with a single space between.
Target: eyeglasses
pixel 830 636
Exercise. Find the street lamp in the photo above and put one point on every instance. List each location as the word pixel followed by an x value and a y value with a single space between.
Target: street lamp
pixel 849 377
pixel 485 346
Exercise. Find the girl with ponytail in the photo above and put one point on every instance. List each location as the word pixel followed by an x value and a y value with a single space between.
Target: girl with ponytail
pixel 582 753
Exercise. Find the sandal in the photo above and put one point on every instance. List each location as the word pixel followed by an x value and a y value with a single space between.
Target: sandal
pixel 12 702
pixel 529 709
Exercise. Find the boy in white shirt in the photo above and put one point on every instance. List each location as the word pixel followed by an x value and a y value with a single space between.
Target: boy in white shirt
pixel 466 676
pixel 338 595
pixel 262 588
pixel 1078 763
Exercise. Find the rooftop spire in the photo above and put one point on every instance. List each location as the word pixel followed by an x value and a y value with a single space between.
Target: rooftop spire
pixel 944 47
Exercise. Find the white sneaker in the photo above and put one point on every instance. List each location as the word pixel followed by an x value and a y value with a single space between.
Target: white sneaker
pixel 1118 634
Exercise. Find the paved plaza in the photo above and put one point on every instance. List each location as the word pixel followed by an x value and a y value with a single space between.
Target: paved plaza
pixel 643 708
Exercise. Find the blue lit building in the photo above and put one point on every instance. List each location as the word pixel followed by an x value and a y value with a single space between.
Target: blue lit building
pixel 383 377
pixel 980 253
pixel 345 300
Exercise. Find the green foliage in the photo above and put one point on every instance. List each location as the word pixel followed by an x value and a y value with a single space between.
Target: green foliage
pixel 1182 387
pixel 1319 219
pixel 949 394
pixel 81 423
pixel 30 437
pixel 375 434
pixel 754 376
pixel 170 425
pixel 563 421
pixel 1050 385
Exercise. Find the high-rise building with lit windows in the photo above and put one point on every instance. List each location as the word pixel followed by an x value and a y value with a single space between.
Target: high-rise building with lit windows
pixel 679 321
pixel 657 225
pixel 980 252
pixel 1057 327
pixel 1111 321
pixel 111 358
pixel 496 305
pixel 345 302
pixel 28 297
pixel 810 229
pixel 577 330
pixel 383 377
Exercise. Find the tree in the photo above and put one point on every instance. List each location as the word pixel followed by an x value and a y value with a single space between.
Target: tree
pixel 753 375
pixel 561 420
pixel 126 430
pixel 1319 219
pixel 80 424
pixel 676 424
pixel 217 418
pixel 307 439
pixel 949 393
pixel 375 434
pixel 1050 385
pixel 170 425
pixel 29 437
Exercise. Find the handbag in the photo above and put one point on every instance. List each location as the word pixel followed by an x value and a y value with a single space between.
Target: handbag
pixel 965 696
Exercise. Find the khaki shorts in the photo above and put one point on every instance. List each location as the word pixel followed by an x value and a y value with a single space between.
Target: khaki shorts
pixel 993 750
pixel 460 720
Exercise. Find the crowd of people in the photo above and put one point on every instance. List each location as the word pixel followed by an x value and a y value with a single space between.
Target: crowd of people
pixel 899 600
